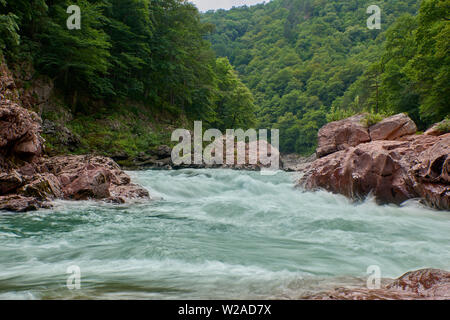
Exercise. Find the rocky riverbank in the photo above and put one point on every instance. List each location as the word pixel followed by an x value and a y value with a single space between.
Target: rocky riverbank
pixel 387 160
pixel 29 180
pixel 425 284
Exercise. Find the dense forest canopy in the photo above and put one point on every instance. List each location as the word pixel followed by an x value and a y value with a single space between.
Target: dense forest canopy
pixel 288 64
pixel 312 61
pixel 152 51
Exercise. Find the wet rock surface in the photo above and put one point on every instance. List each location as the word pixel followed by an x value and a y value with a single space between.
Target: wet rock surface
pixel 29 181
pixel 252 158
pixel 425 284
pixel 19 132
pixel 340 135
pixel 394 170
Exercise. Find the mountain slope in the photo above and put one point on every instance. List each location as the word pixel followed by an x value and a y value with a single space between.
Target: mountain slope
pixel 309 61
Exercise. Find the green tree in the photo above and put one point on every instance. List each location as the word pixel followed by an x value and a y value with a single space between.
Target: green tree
pixel 234 103
pixel 430 67
pixel 78 60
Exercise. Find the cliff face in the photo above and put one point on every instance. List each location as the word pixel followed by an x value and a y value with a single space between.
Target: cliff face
pixel 387 160
pixel 29 181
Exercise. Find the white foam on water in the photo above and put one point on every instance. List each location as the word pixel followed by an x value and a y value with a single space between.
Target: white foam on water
pixel 215 234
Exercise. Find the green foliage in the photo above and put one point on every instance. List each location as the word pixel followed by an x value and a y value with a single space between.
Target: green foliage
pixel 123 130
pixel 337 114
pixel 149 51
pixel 430 66
pixel 302 63
pixel 372 118
pixel 9 37
pixel 78 60
pixel 234 101
pixel 306 61
pixel 444 126
pixel 412 73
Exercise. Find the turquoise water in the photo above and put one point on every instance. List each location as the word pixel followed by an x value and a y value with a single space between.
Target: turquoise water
pixel 211 234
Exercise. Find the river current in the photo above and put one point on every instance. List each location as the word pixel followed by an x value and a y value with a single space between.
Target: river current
pixel 215 234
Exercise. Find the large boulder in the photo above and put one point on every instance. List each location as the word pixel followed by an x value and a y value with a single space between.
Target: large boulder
pixel 19 132
pixel 432 173
pixel 28 181
pixel 33 185
pixel 425 284
pixel 10 181
pixel 42 187
pixel 91 177
pixel 413 166
pixel 437 128
pixel 340 135
pixel 370 168
pixel 19 128
pixel 19 203
pixel 393 128
pixel 91 183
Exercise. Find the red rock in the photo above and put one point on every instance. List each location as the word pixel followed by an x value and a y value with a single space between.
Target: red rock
pixel 434 162
pixel 414 166
pixel 36 179
pixel 425 284
pixel 340 135
pixel 19 132
pixel 18 203
pixel 43 187
pixel 71 177
pixel 9 181
pixel 393 128
pixel 84 177
pixel 434 130
pixel 90 184
pixel 357 172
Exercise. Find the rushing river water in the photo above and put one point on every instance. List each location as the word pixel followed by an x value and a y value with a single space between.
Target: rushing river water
pixel 215 234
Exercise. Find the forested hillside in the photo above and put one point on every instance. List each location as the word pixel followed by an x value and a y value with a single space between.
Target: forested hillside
pixel 131 60
pixel 312 61
pixel 139 68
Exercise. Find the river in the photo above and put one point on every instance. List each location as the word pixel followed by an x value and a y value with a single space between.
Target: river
pixel 215 234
